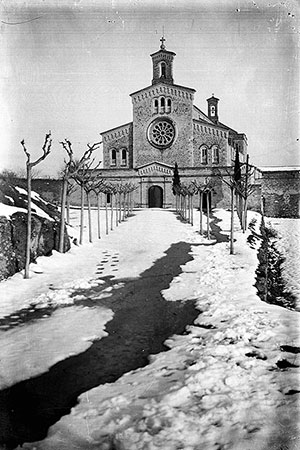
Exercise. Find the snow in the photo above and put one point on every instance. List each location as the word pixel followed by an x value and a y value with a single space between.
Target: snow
pixel 38 346
pixel 279 168
pixel 218 387
pixel 7 210
pixel 288 244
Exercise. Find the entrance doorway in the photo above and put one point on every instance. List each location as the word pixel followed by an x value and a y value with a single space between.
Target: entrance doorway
pixel 155 197
pixel 205 198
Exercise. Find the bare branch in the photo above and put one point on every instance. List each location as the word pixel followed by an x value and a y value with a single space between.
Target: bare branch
pixel 25 151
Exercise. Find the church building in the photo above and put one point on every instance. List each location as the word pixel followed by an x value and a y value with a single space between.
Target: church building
pixel 166 128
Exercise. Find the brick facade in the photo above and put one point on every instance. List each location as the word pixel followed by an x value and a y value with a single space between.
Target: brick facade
pixel 166 128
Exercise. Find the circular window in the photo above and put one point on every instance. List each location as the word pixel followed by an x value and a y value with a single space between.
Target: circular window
pixel 161 133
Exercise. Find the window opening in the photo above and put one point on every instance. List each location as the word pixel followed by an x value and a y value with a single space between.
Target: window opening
pixel 163 70
pixel 204 155
pixel 113 157
pixel 124 157
pixel 169 105
pixel 215 155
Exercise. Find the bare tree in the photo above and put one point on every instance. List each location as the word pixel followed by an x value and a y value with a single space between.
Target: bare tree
pixel 29 166
pixel 204 188
pixel 98 189
pixel 74 169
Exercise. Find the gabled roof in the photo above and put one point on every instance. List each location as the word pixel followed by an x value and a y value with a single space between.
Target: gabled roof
pixel 163 84
pixel 155 162
pixel 198 110
pixel 116 128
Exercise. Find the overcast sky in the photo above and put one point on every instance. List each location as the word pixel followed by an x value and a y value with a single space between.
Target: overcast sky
pixel 69 67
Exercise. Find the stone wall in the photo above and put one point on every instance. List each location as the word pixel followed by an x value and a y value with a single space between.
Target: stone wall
pixel 13 229
pixel 281 193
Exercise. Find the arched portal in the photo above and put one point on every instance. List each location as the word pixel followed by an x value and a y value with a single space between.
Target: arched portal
pixel 155 197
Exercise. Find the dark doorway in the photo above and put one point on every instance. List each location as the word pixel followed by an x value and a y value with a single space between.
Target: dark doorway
pixel 155 197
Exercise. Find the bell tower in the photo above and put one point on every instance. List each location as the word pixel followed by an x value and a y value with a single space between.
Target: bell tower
pixel 162 61
pixel 213 108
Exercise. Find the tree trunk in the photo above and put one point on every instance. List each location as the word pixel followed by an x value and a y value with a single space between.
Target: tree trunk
pixel 111 212
pixel 106 214
pixel 81 214
pixel 208 214
pixel 62 216
pixel 117 209
pixel 120 207
pixel 232 221
pixel 124 206
pixel 189 208
pixel 201 212
pixel 28 235
pixel 246 195
pixel 89 217
pixel 192 210
pixel 68 207
pixel 98 216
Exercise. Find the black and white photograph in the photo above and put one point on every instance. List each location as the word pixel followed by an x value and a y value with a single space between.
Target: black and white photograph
pixel 149 225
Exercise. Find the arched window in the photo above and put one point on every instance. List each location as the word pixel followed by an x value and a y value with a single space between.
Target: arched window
pixel 169 103
pixel 163 70
pixel 162 104
pixel 212 110
pixel 124 157
pixel 203 151
pixel 113 157
pixel 155 106
pixel 215 154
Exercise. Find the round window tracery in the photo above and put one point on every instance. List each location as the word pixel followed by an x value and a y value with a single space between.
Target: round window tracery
pixel 161 133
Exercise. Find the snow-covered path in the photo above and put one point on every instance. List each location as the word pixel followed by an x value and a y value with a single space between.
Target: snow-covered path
pixel 230 383
pixel 36 345
pixel 221 386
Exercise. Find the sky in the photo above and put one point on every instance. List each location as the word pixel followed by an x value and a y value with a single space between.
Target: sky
pixel 69 67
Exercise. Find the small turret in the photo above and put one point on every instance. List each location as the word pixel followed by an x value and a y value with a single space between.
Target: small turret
pixel 213 108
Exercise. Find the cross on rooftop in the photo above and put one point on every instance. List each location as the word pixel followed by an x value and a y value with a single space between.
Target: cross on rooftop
pixel 162 40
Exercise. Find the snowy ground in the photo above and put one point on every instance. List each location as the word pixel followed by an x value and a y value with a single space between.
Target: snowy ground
pixel 219 386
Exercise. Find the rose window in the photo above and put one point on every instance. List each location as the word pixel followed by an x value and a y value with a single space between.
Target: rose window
pixel 161 133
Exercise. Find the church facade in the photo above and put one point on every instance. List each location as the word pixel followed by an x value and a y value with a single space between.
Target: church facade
pixel 166 128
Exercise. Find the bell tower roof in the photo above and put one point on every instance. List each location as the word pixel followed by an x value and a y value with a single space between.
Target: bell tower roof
pixel 162 61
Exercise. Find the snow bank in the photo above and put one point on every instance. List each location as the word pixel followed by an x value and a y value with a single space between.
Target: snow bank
pixel 288 244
